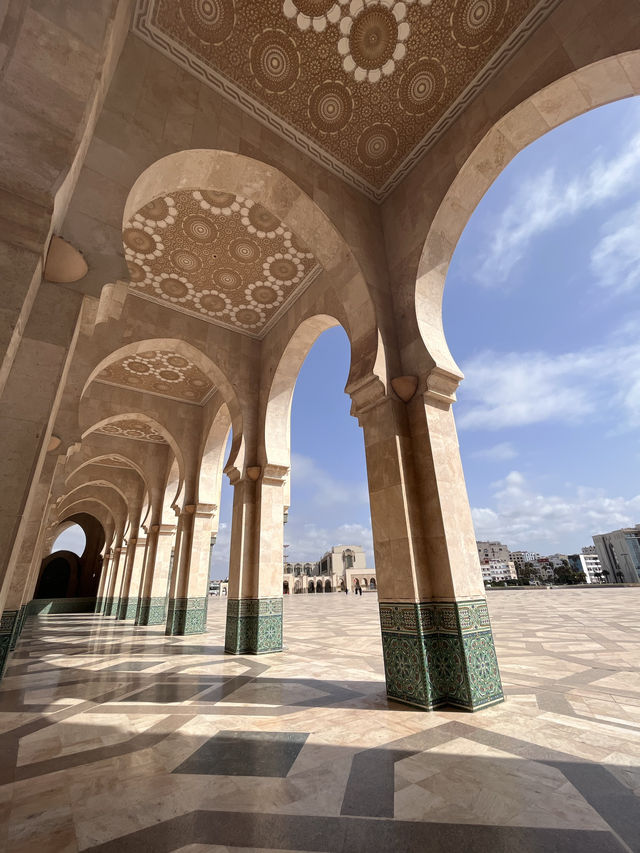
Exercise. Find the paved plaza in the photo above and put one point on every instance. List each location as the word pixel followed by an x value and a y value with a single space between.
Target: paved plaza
pixel 117 738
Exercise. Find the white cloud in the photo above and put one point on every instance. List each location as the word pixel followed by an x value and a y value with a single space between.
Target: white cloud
pixel 518 389
pixel 525 519
pixel 550 199
pixel 501 452
pixel 308 541
pixel 615 259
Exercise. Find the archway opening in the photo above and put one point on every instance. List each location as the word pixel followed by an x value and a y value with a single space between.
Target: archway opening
pixel 540 313
pixel 72 538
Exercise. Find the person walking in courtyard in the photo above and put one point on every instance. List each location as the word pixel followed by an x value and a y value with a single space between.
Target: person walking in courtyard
pixel 358 589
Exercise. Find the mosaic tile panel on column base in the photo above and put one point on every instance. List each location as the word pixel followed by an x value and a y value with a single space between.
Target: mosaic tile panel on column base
pixel 186 616
pixel 110 606
pixel 99 604
pixel 254 626
pixel 127 608
pixel 152 611
pixel 8 623
pixel 440 653
pixel 22 618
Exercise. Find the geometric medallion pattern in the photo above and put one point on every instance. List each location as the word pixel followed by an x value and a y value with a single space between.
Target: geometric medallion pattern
pixel 160 372
pixel 218 256
pixel 440 653
pixel 361 85
pixel 254 626
pixel 186 616
pixel 132 428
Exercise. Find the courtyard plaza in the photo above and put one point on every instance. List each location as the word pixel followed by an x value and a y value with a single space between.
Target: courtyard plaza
pixel 119 738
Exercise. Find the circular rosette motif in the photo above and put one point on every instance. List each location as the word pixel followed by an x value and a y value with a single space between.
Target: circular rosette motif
pixel 422 86
pixel 173 288
pixel 313 13
pixel 283 269
pixel 475 22
pixel 157 213
pixel 212 302
pixel 377 145
pixel 138 272
pixel 140 242
pixel 210 20
pixel 222 204
pixel 330 106
pixel 244 251
pixel 259 221
pixel 275 61
pixel 264 295
pixel 248 316
pixel 199 229
pixel 372 38
pixel 227 279
pixel 295 246
pixel 137 366
pixel 185 261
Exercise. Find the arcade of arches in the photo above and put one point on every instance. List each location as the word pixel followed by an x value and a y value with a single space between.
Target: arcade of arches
pixel 178 229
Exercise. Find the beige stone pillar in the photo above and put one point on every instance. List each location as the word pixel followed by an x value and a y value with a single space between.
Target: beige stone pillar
pixel 155 589
pixel 254 606
pixel 128 604
pixel 110 603
pixel 187 611
pixel 436 636
pixel 125 605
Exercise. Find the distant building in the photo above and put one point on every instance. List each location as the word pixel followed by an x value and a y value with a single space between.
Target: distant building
pixel 342 566
pixel 588 563
pixel 519 558
pixel 619 554
pixel 488 551
pixel 494 571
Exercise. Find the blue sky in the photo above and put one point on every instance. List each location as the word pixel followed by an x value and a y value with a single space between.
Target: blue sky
pixel 542 313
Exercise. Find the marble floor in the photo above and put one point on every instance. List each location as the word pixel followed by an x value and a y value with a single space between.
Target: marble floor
pixel 116 738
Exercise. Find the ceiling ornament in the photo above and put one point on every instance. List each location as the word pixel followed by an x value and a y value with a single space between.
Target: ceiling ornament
pixel 160 372
pixel 224 258
pixel 134 429
pixel 111 461
pixel 364 86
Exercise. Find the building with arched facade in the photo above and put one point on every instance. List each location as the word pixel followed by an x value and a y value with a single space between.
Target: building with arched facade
pixel 340 569
pixel 186 206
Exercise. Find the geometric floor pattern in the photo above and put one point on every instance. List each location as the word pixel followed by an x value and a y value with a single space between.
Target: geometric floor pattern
pixel 118 738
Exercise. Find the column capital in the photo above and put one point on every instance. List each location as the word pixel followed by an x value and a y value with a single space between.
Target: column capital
pixel 440 386
pixel 366 394
pixel 200 510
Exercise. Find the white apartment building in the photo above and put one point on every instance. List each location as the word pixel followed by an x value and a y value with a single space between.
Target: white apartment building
pixel 519 558
pixel 498 570
pixel 588 563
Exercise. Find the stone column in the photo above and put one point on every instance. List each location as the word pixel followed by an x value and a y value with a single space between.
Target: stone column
pixel 130 590
pixel 14 613
pixel 106 569
pixel 110 603
pixel 254 605
pixel 187 612
pixel 436 636
pixel 154 595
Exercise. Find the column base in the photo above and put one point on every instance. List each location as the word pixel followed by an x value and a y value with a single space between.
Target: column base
pixel 186 616
pixel 152 611
pixel 127 608
pixel 254 626
pixel 8 626
pixel 99 605
pixel 440 653
pixel 19 625
pixel 110 606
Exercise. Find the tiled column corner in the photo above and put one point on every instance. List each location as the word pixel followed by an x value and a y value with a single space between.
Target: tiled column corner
pixel 152 611
pixel 127 608
pixel 110 606
pixel 186 616
pixel 440 653
pixel 19 625
pixel 8 624
pixel 254 626
pixel 99 604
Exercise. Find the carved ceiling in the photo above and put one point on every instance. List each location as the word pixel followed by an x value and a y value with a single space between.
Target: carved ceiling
pixel 218 256
pixel 364 86
pixel 160 372
pixel 132 428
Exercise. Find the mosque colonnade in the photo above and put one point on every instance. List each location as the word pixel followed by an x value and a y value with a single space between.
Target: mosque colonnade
pixel 214 260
